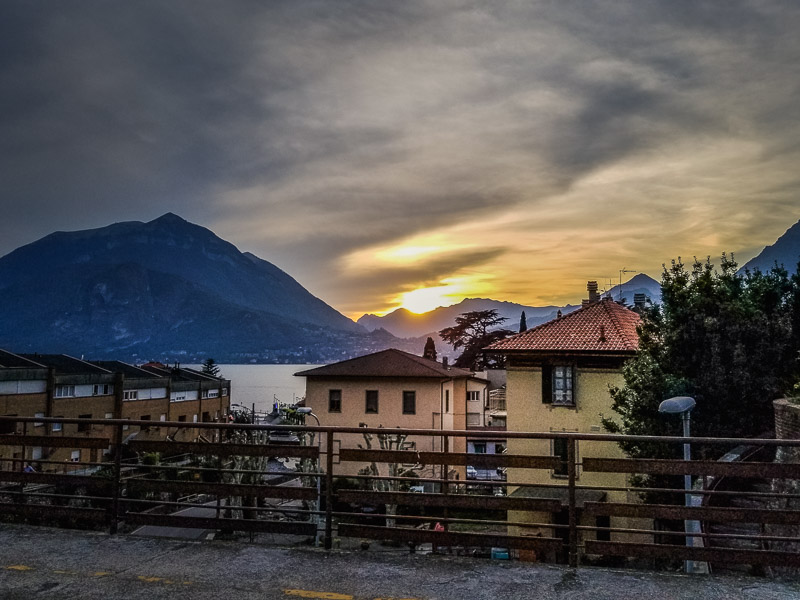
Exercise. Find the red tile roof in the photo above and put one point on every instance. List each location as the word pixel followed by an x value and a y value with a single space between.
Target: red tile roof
pixel 387 363
pixel 603 326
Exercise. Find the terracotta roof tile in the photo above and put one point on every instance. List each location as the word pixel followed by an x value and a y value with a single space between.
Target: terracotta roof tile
pixel 387 363
pixel 603 326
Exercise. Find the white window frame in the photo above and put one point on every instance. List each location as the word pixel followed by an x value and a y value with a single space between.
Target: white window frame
pixel 563 385
pixel 38 415
pixel 64 391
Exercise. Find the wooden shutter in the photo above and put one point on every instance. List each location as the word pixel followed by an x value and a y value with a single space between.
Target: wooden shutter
pixel 547 384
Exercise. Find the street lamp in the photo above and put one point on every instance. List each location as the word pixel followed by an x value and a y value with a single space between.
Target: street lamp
pixel 306 410
pixel 683 406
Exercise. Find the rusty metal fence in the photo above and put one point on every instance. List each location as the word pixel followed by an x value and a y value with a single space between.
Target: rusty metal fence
pixel 319 483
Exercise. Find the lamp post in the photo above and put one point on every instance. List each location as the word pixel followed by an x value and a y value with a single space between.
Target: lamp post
pixel 306 410
pixel 683 406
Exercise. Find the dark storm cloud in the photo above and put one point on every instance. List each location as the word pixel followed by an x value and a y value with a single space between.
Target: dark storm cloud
pixel 304 131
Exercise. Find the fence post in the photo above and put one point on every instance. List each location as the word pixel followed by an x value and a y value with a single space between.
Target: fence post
pixel 328 489
pixel 572 472
pixel 116 482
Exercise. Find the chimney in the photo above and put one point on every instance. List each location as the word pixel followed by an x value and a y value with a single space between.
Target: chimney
pixel 444 362
pixel 558 314
pixel 591 286
pixel 602 333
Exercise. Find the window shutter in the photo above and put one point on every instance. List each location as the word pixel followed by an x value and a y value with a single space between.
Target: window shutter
pixel 547 384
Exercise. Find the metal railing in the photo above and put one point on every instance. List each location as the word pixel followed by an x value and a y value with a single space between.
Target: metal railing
pixel 578 507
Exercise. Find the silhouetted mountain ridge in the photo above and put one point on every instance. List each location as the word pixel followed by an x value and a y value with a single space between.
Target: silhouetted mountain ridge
pixel 784 252
pixel 166 288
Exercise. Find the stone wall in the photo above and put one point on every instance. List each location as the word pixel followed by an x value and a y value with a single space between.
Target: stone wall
pixel 787 427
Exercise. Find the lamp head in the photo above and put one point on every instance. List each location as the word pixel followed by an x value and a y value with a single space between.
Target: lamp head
pixel 677 405
pixel 303 410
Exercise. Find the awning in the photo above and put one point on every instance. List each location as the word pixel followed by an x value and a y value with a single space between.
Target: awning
pixel 559 493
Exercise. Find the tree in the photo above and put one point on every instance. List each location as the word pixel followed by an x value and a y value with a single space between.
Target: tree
pixel 523 323
pixel 728 339
pixel 473 332
pixel 430 350
pixel 210 367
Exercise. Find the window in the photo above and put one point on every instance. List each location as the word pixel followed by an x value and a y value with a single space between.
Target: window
pixel 109 415
pixel 130 395
pixel 65 391
pixel 473 419
pixel 206 417
pixel 36 453
pixel 479 448
pixel 560 451
pixel 204 394
pixel 85 426
pixel 473 396
pixel 372 401
pixel 38 423
pixel 102 389
pixel 75 456
pixel 335 401
pixel 224 391
pixel 182 418
pixel 162 418
pixel 145 418
pixel 194 418
pixel 447 401
pixel 57 426
pixel 558 385
pixel 213 393
pixel 409 403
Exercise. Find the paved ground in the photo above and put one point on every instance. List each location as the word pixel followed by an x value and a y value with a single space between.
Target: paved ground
pixel 41 563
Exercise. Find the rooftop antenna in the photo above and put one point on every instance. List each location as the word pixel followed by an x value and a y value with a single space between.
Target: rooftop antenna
pixel 621 271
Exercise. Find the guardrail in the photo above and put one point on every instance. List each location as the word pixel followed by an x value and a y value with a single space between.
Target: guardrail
pixel 570 507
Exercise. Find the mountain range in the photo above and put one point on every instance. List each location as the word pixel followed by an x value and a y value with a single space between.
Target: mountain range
pixel 404 323
pixel 784 252
pixel 166 289
pixel 170 290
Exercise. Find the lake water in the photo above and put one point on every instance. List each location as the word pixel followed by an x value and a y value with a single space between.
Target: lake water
pixel 263 384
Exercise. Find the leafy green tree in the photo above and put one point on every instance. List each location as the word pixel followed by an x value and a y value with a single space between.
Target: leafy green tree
pixel 523 323
pixel 474 331
pixel 210 367
pixel 728 339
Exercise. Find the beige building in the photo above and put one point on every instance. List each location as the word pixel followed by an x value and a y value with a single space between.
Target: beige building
pixel 558 379
pixel 395 389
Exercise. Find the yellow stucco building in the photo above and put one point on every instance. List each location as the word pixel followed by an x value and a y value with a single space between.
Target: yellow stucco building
pixel 558 379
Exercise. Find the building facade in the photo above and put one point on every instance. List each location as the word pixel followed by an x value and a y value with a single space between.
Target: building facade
pixel 50 385
pixel 558 380
pixel 395 389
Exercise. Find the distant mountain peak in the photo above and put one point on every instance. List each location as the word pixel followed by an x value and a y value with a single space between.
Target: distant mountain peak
pixel 784 252
pixel 163 285
pixel 169 217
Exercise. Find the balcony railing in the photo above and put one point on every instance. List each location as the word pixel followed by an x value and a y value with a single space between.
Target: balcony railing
pixel 316 482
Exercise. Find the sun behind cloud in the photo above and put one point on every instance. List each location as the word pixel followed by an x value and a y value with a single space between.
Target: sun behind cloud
pixel 423 300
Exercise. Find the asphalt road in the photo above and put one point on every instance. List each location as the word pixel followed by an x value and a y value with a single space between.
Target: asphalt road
pixel 41 563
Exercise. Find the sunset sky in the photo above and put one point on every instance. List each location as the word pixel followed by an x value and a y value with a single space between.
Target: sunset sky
pixel 410 153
